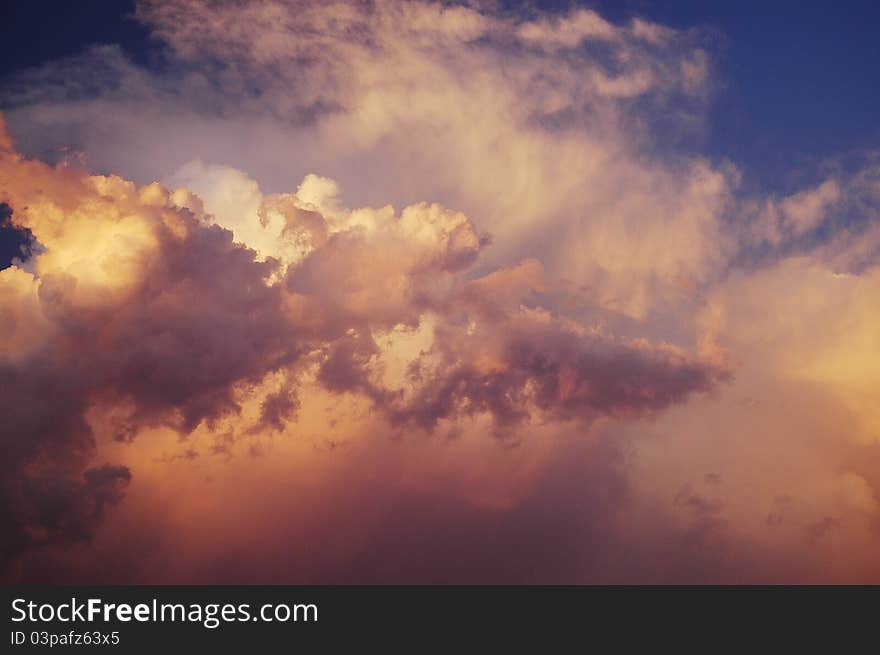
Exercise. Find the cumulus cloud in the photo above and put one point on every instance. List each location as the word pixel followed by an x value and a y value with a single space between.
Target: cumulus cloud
pixel 130 299
pixel 140 300
pixel 383 231
pixel 538 126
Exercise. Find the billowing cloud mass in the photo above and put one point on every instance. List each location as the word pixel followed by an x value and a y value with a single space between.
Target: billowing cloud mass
pixel 415 292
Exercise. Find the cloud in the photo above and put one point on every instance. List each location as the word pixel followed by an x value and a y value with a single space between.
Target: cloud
pixel 384 231
pixel 537 128
pixel 142 308
pixel 130 299
pixel 835 221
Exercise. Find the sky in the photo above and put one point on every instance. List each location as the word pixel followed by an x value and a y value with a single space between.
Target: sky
pixel 482 292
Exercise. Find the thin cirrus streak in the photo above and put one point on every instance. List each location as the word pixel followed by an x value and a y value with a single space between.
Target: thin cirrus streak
pixel 577 354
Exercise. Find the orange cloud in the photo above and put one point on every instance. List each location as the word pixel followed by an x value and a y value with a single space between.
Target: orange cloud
pixel 141 313
pixel 293 375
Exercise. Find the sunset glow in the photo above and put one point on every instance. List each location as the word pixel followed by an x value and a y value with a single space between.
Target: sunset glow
pixel 343 292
